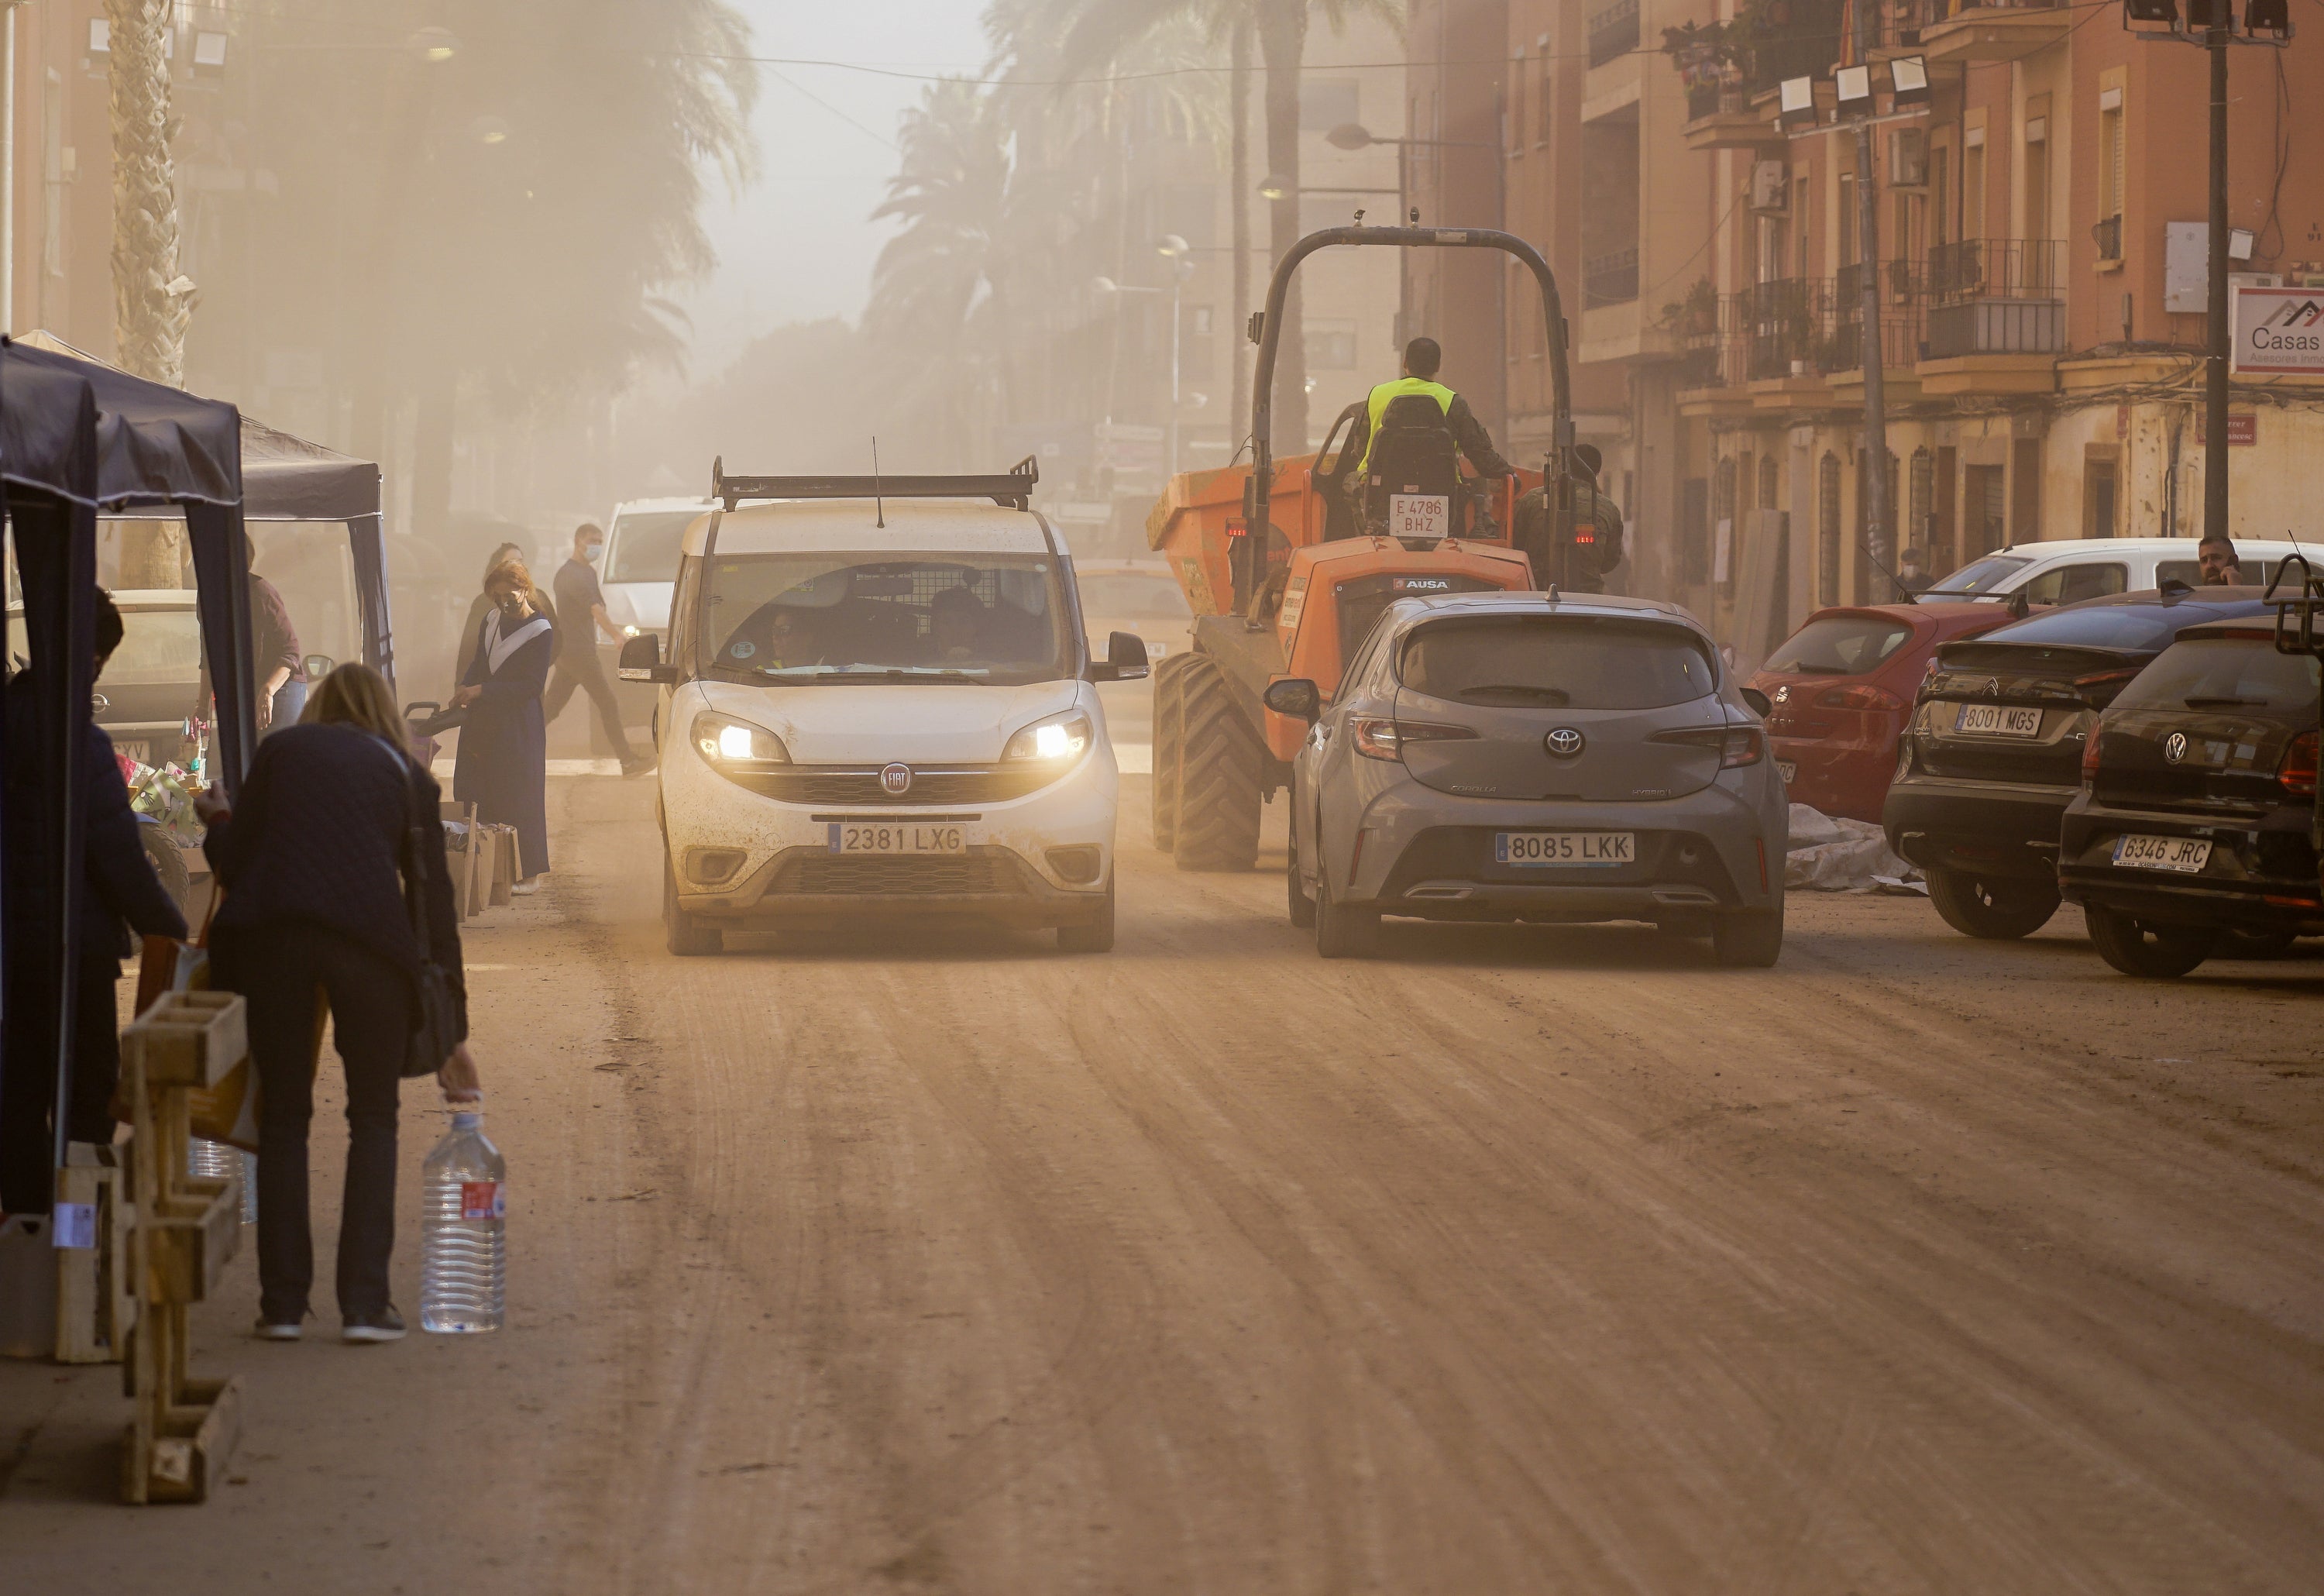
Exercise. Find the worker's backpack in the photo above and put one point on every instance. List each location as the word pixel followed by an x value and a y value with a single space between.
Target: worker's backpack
pixel 1414 452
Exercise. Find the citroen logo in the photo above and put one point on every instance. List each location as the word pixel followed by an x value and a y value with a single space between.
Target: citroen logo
pixel 2174 747
pixel 1993 686
pixel 1564 742
pixel 895 780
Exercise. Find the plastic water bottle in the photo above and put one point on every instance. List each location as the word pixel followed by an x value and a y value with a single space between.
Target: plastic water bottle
pixel 214 1161
pixel 464 1220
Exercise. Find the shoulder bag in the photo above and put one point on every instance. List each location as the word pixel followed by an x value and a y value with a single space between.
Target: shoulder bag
pixel 436 1028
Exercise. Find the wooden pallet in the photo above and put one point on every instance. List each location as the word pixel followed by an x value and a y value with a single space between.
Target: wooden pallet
pixel 187 1231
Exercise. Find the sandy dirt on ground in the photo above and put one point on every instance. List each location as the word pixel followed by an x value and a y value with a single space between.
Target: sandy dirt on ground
pixel 1549 1259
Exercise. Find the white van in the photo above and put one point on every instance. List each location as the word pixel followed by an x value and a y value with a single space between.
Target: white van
pixel 881 705
pixel 2067 571
pixel 642 541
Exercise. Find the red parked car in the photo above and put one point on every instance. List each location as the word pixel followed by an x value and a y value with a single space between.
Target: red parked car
pixel 1841 688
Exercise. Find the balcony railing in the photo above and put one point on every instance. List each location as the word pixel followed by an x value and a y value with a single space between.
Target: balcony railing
pixel 1613 32
pixel 1995 269
pixel 1996 327
pixel 1610 279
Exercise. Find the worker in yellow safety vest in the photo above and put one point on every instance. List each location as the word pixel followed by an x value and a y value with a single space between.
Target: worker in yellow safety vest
pixel 1422 358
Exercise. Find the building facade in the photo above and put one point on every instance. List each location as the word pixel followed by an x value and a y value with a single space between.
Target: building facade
pixel 2038 253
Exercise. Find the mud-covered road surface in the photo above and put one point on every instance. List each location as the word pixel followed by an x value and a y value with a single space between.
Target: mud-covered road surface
pixel 1544 1261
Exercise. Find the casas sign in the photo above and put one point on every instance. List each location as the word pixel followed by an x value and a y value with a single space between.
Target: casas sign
pixel 2278 332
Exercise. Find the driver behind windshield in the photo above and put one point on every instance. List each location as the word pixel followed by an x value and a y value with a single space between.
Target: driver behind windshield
pixel 956 626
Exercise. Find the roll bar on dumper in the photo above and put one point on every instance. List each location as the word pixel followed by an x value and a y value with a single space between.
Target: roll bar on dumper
pixel 1272 600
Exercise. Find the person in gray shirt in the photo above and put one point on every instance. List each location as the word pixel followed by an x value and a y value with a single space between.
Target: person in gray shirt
pixel 582 601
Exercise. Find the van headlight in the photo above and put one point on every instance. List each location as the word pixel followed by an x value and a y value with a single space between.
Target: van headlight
pixel 1053 740
pixel 737 744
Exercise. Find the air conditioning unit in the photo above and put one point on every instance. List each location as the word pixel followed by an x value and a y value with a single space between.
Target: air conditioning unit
pixel 1771 187
pixel 1908 158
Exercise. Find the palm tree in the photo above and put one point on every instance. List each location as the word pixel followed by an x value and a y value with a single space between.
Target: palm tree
pixel 1099 30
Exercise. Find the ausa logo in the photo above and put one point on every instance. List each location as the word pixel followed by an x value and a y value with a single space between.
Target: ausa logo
pixel 895 780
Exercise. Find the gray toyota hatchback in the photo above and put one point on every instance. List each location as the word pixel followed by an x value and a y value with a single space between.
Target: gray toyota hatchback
pixel 1523 756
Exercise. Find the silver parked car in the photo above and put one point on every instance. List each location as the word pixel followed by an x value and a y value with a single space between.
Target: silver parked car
pixel 1523 756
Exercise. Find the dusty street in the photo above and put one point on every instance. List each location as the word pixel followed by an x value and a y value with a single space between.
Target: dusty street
pixel 1540 1261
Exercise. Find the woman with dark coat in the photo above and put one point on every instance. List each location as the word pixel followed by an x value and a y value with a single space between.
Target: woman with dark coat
pixel 312 858
pixel 502 765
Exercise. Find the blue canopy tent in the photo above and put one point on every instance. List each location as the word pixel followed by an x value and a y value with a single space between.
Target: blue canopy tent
pixel 77 438
pixel 286 479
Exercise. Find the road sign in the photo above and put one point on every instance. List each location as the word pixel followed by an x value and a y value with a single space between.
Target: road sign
pixel 2278 332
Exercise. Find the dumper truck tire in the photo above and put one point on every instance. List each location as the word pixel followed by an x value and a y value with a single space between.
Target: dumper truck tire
pixel 1221 768
pixel 1170 705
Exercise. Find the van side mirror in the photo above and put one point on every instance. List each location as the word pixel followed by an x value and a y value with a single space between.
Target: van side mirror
pixel 1295 697
pixel 1124 661
pixel 641 661
pixel 1758 701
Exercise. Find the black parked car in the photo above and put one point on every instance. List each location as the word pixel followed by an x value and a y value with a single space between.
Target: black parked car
pixel 2192 832
pixel 1993 753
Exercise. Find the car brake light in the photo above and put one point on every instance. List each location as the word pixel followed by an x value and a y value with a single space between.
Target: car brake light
pixel 1737 745
pixel 2298 772
pixel 1862 696
pixel 2090 757
pixel 2099 686
pixel 1383 737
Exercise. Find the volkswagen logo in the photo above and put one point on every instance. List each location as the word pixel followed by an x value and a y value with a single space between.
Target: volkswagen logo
pixel 2174 747
pixel 1564 742
pixel 895 780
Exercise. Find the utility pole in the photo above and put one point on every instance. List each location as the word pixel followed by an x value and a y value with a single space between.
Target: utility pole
pixel 2214 362
pixel 2211 24
pixel 8 164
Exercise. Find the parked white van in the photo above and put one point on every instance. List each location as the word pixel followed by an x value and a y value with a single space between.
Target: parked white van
pixel 642 542
pixel 878 700
pixel 2066 570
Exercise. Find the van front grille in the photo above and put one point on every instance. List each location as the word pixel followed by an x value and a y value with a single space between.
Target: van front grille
pixel 855 787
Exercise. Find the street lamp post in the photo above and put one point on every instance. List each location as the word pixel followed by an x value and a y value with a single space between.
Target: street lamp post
pixel 1179 253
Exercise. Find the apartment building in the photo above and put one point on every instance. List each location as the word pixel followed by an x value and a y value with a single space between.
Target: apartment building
pixel 2039 257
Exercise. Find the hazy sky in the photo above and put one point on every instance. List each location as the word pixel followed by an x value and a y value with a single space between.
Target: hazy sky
pixel 799 243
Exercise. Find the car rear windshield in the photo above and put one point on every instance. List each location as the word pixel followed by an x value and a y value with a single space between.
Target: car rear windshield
pixel 837 617
pixel 1984 576
pixel 2227 673
pixel 1556 662
pixel 158 648
pixel 2135 628
pixel 1840 645
pixel 645 545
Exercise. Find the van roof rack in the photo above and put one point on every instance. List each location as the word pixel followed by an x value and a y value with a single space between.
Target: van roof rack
pixel 1013 489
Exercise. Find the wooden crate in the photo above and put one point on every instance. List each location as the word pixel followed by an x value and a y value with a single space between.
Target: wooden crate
pixel 187 1038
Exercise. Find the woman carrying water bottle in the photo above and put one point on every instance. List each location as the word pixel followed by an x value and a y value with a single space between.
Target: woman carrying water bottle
pixel 310 859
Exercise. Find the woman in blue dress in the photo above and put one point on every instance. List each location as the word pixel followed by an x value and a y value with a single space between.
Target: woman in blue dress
pixel 501 766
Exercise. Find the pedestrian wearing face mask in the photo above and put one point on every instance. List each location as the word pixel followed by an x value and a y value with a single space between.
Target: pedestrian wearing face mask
pixel 502 764
pixel 582 602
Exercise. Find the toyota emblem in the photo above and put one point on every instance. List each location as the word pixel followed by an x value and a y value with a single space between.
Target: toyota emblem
pixel 895 780
pixel 2174 747
pixel 1564 742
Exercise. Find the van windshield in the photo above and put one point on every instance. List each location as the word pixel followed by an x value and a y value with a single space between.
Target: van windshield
pixel 833 617
pixel 646 545
pixel 1983 576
